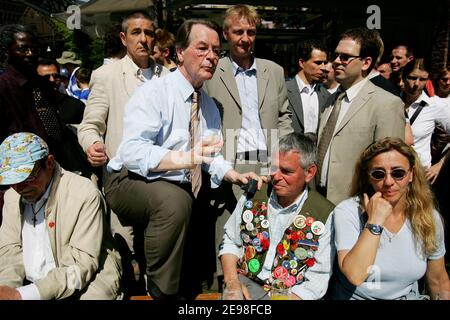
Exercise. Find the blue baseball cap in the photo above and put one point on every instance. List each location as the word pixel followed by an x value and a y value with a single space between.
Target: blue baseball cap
pixel 18 154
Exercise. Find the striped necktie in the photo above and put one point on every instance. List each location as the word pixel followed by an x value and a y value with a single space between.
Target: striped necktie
pixel 328 130
pixel 196 172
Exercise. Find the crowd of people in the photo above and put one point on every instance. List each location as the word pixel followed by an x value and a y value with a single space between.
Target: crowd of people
pixel 174 167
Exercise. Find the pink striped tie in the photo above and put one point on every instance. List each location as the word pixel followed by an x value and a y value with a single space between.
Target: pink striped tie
pixel 196 172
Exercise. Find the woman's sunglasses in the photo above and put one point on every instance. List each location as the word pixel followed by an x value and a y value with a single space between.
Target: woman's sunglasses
pixel 396 174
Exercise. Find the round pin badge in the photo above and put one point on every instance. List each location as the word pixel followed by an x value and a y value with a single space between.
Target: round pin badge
pixel 249 226
pixel 265 234
pixel 245 237
pixel 253 265
pixel 299 221
pixel 248 204
pixel 247 216
pixel 309 236
pixel 261 217
pixel 310 254
pixel 293 264
pixel 250 252
pixel 317 228
pixel 309 221
pixel 301 253
pixel 256 242
pixel 265 223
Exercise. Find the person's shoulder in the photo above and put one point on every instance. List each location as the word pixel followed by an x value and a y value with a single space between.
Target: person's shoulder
pixel 347 206
pixel 320 200
pixel 269 64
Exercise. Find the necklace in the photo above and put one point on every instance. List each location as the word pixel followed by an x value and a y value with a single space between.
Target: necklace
pixel 36 212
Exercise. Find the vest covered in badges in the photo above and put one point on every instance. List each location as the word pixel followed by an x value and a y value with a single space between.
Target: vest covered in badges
pixel 296 250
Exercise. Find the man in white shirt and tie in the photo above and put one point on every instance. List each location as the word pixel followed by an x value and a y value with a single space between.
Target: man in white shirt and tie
pixel 151 178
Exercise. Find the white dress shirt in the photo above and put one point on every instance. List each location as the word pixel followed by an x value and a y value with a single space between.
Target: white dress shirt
pixel 316 277
pixel 434 111
pixel 251 135
pixel 351 94
pixel 156 121
pixel 310 103
pixel 37 252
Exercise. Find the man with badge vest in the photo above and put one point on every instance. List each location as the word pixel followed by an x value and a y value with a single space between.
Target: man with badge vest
pixel 284 237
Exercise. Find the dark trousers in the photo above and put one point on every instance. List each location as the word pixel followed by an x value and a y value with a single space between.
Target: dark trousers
pixel 163 210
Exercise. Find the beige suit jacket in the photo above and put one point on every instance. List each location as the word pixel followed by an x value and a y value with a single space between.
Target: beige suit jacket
pixel 80 240
pixel 373 114
pixel 111 87
pixel 272 100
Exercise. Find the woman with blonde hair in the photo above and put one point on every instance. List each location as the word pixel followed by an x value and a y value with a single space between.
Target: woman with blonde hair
pixel 389 235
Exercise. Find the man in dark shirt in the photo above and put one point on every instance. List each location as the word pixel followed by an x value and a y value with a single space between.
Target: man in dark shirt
pixel 28 102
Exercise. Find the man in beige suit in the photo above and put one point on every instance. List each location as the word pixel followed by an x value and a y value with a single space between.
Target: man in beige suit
pixel 361 114
pixel 111 86
pixel 251 96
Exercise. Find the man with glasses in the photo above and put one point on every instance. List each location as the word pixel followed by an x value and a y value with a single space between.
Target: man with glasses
pixel 69 109
pixel 251 96
pixel 361 113
pixel 100 131
pixel 53 240
pixel 156 173
pixel 30 103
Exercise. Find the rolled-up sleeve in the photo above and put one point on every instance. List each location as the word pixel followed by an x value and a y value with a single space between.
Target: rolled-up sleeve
pixel 232 242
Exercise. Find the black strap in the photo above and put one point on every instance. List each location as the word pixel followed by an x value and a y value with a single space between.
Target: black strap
pixel 419 108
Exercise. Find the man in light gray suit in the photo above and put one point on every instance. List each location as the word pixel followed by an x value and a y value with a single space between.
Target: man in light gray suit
pixel 307 97
pixel 251 96
pixel 361 114
pixel 111 85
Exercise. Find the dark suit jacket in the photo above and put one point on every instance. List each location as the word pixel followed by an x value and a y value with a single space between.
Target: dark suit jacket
pixel 296 106
pixel 385 84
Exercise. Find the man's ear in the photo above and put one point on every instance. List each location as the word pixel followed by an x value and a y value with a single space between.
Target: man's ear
pixel 123 38
pixel 225 34
pixel 410 58
pixel 301 62
pixel 180 55
pixel 367 63
pixel 166 52
pixel 310 173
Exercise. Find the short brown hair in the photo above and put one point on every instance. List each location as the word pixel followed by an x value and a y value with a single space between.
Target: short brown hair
pixel 241 11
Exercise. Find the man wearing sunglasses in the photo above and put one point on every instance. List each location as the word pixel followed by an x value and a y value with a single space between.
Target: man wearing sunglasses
pixel 69 109
pixel 361 113
pixel 54 243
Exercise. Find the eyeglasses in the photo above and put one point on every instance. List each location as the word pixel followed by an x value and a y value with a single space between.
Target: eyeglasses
pixel 204 51
pixel 343 57
pixel 397 174
pixel 34 174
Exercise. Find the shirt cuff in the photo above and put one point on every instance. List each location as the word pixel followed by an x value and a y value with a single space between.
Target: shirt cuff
pixel 29 292
pixel 230 249
pixel 217 169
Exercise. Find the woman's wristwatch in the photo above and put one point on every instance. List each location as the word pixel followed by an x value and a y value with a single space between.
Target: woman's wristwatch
pixel 375 229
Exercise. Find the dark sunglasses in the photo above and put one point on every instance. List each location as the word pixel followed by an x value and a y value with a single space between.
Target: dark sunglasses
pixel 345 58
pixel 397 174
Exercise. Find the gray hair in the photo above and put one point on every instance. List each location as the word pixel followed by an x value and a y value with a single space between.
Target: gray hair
pixel 305 144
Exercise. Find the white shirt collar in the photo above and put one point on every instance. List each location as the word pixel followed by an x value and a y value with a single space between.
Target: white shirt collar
pixel 353 91
pixel 237 68
pixel 302 85
pixel 292 207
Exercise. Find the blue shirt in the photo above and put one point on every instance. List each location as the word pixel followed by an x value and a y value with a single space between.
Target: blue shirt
pixel 156 121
